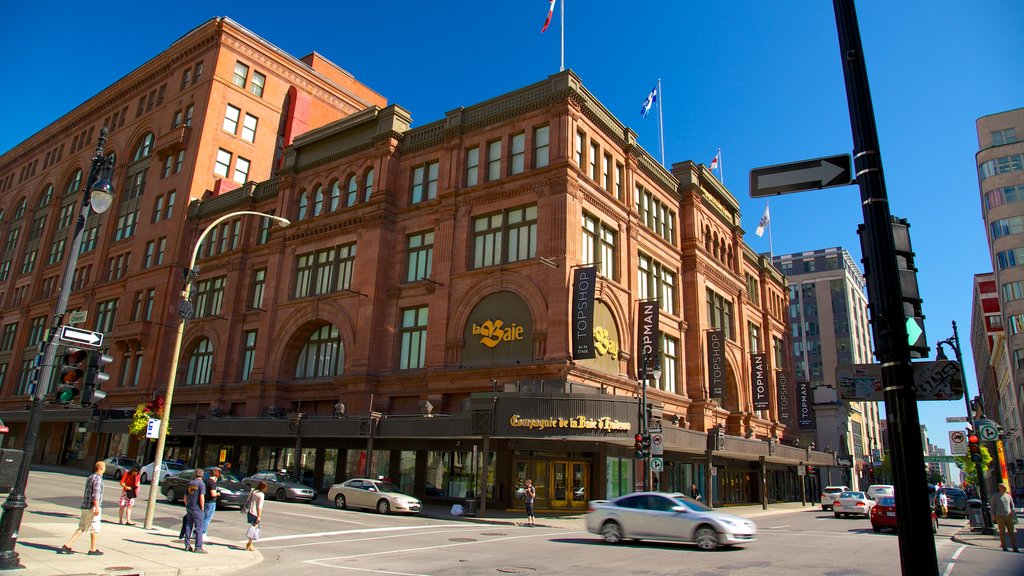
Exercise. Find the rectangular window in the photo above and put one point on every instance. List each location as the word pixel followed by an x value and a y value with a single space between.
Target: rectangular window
pixel 249 128
pixel 126 224
pixel 37 327
pixel 517 149
pixel 7 338
pixel 755 337
pixel 669 364
pixel 413 354
pixel 241 170
pixel 147 312
pixel 720 312
pixel 472 165
pixel 197 72
pixel 56 251
pixel 1013 291
pixel 105 313
pixel 595 153
pixel 186 77
pixel 424 182
pixel 178 161
pixel 248 353
pixel 209 296
pixel 259 283
pixel 258 82
pixel 420 256
pixel 188 114
pixel 505 237
pixel 325 271
pixel 1018 359
pixel 29 262
pixel 493 160
pixel 1004 136
pixel 168 165
pixel 161 245
pixel 147 257
pixel 231 115
pixel 580 137
pixel 606 172
pixel 241 74
pixel 1012 163
pixel 541 146
pixel 223 163
pixel 656 281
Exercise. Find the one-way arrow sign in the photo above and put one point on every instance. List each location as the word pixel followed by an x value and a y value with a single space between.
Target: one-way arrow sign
pixel 79 336
pixel 797 176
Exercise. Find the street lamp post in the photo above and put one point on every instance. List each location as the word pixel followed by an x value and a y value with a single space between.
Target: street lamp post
pixel 98 196
pixel 954 343
pixel 185 312
pixel 645 421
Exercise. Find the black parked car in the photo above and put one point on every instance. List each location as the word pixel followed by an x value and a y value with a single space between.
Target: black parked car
pixel 956 501
pixel 232 491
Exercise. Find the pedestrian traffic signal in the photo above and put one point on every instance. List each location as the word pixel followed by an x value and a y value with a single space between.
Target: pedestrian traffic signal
pixel 973 447
pixel 71 372
pixel 95 377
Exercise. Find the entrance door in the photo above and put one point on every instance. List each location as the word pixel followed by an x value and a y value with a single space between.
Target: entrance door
pixel 569 487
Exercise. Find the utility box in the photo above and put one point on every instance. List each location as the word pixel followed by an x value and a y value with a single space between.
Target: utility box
pixel 10 461
pixel 975 513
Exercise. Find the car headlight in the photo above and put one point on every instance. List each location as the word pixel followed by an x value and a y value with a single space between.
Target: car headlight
pixel 729 522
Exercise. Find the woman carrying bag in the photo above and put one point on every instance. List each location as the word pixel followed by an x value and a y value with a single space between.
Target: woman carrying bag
pixel 254 513
pixel 129 492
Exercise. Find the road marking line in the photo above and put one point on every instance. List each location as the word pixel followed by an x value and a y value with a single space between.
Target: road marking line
pixel 355 531
pixel 453 544
pixel 406 535
pixel 363 569
pixel 776 527
pixel 957 553
pixel 322 518
pixel 949 567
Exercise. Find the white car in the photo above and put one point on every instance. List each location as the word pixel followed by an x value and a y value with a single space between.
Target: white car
pixel 829 494
pixel 168 467
pixel 852 503
pixel 378 495
pixel 876 491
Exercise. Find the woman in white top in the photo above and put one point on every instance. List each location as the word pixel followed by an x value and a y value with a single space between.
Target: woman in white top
pixel 254 509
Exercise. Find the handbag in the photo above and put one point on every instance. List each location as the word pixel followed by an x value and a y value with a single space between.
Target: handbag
pixel 132 493
pixel 253 532
pixel 248 502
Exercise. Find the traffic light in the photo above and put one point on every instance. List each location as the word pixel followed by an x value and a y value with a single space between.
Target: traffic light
pixel 94 377
pixel 642 445
pixel 71 371
pixel 973 448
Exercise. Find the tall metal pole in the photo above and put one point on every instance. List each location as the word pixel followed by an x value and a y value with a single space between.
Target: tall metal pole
pixel 888 321
pixel 184 314
pixel 14 507
pixel 646 464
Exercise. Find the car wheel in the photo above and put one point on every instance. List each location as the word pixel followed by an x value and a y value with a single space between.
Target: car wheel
pixel 171 496
pixel 281 495
pixel 611 532
pixel 384 507
pixel 706 538
pixel 876 528
pixel 117 474
pixel 339 502
pixel 143 478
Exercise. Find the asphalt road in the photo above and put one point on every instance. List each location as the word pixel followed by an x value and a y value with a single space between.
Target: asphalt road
pixel 318 539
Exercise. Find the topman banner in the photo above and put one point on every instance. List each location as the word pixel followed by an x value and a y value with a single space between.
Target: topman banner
pixel 647 336
pixel 759 380
pixel 583 282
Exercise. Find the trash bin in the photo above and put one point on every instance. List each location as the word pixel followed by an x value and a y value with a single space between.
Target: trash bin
pixel 470 507
pixel 975 513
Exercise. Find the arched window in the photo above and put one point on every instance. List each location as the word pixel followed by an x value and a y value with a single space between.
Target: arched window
pixel 714 244
pixel 707 238
pixel 22 206
pixel 318 200
pixel 368 185
pixel 75 184
pixel 144 148
pixel 335 195
pixel 322 356
pixel 303 204
pixel 47 195
pixel 200 364
pixel 353 188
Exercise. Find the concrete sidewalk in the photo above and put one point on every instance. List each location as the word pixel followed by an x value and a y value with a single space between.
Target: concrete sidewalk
pixel 975 537
pixel 127 550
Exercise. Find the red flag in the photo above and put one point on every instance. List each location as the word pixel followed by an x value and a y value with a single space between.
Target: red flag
pixel 551 10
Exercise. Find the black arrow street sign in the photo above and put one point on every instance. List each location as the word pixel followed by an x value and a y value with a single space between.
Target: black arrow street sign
pixel 797 176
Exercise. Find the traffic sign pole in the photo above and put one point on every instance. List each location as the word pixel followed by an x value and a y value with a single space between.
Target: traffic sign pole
pixel 916 543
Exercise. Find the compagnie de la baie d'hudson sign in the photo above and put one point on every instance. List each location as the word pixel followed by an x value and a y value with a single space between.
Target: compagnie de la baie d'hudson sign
pixel 579 423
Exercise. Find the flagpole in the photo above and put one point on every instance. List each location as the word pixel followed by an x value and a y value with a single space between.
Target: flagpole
pixel 561 68
pixel 771 251
pixel 721 175
pixel 661 126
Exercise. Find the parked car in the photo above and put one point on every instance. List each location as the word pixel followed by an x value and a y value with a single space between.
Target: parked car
pixel 852 502
pixel 829 494
pixel 667 516
pixel 281 485
pixel 956 501
pixel 118 465
pixel 883 515
pixel 232 491
pixel 168 467
pixel 377 495
pixel 876 491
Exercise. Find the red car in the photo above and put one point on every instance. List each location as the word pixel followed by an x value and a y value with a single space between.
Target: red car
pixel 883 515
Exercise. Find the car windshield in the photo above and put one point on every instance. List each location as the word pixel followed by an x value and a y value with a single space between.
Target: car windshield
pixel 833 490
pixel 173 466
pixel 887 501
pixel 285 478
pixel 858 495
pixel 386 487
pixel 229 477
pixel 690 503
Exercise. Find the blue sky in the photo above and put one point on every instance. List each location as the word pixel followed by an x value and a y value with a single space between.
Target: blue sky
pixel 760 80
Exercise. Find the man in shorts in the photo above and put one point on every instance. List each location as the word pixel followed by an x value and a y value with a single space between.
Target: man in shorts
pixel 90 519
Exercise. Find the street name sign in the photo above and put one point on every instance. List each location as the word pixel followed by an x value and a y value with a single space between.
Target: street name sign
pixel 78 316
pixel 957 442
pixel 799 176
pixel 935 380
pixel 80 337
pixel 938 459
pixel 952 419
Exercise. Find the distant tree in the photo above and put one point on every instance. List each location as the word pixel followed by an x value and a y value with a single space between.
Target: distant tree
pixel 883 473
pixel 970 469
pixel 934 477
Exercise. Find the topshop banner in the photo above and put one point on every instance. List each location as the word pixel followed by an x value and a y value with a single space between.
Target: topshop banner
pixel 583 282
pixel 782 395
pixel 646 335
pixel 716 363
pixel 759 380
pixel 803 406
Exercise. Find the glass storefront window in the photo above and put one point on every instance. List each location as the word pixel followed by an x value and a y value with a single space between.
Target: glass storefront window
pixel 406 471
pixel 620 477
pixel 355 464
pixel 330 468
pixel 455 474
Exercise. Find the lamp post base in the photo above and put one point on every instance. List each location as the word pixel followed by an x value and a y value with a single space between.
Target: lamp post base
pixel 14 509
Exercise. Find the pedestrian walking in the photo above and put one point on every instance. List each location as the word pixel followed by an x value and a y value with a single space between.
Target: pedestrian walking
pixel 254 514
pixel 90 518
pixel 211 498
pixel 694 492
pixel 530 493
pixel 1001 505
pixel 195 498
pixel 129 492
pixel 944 503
